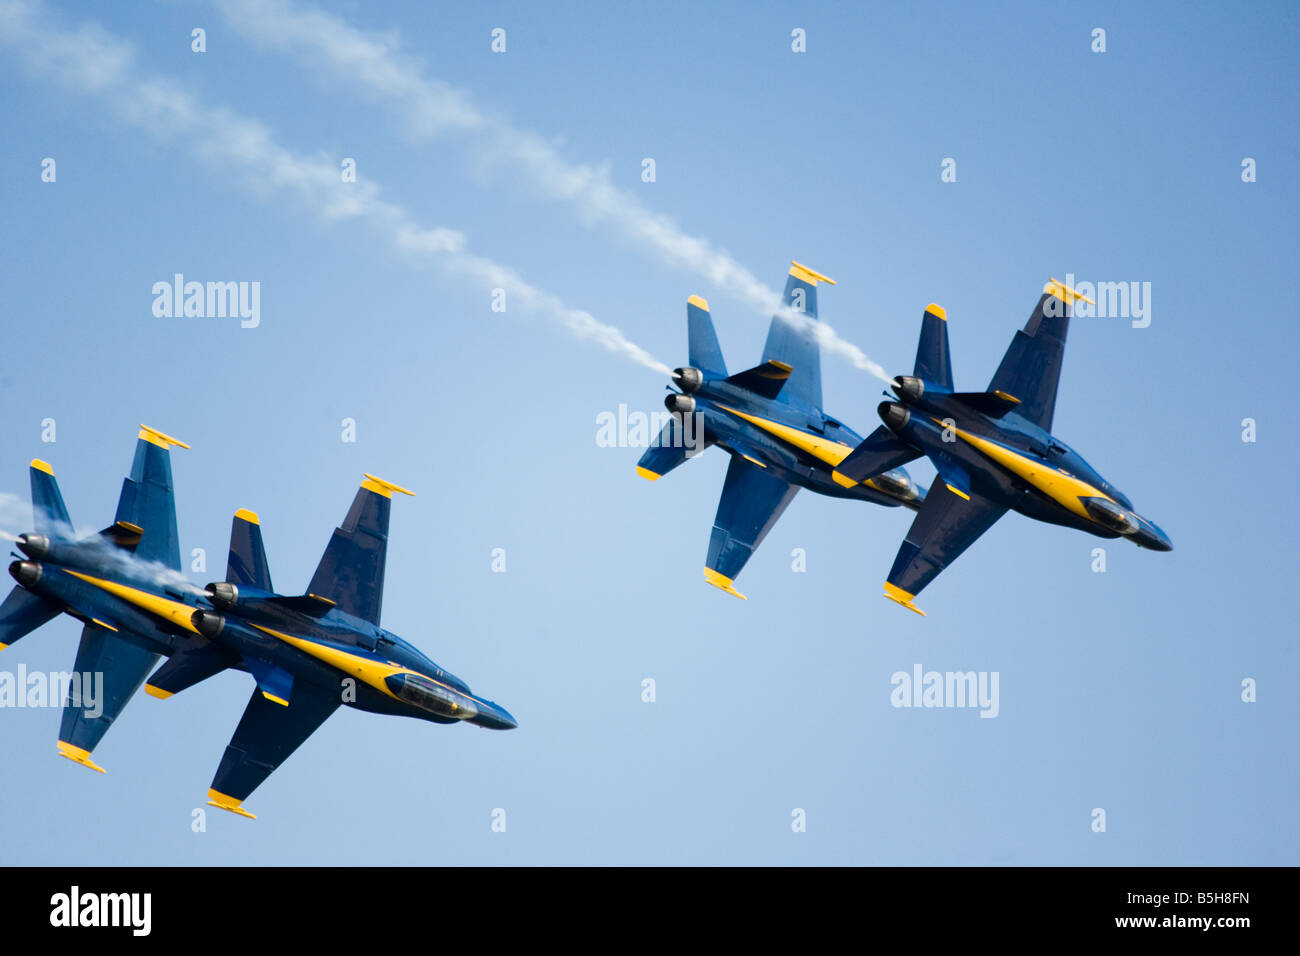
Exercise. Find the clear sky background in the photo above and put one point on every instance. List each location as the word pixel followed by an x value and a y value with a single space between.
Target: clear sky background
pixel 1118 690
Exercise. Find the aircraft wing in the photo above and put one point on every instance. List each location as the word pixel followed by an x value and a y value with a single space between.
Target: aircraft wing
pixel 948 523
pixel 267 734
pixel 752 500
pixel 790 344
pixel 1031 368
pixel 115 668
pixel 351 572
pixel 148 500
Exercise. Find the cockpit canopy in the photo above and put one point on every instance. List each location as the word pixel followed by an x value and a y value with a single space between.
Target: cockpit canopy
pixel 432 696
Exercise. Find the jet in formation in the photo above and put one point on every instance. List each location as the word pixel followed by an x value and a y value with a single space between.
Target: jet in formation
pixel 309 654
pixel 993 450
pixel 769 419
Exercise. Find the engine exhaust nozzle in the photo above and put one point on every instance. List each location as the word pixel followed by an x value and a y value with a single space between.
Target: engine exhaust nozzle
pixel 33 545
pixel 679 404
pixel 26 573
pixel 208 624
pixel 909 388
pixel 894 415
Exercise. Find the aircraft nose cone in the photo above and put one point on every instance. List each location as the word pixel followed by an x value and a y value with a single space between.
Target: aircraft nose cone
pixel 496 718
pixel 1153 538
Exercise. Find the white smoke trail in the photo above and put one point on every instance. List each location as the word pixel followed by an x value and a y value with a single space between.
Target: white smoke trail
pixel 16 512
pixel 375 64
pixel 89 60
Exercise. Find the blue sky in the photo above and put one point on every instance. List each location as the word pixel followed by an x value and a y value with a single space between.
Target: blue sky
pixel 1119 690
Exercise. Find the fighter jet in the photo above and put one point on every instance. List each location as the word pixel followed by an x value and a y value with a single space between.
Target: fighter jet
pixel 993 450
pixel 308 654
pixel 770 421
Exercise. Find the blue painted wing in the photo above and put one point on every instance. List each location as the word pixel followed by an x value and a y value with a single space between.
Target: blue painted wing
pixel 752 501
pixel 267 734
pixel 947 524
pixel 116 668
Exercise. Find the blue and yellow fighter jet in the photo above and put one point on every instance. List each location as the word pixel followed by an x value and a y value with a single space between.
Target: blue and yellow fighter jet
pixel 993 450
pixel 308 654
pixel 769 419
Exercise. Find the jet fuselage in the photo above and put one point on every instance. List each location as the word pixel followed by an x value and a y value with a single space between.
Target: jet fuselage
pixel 799 446
pixel 1015 463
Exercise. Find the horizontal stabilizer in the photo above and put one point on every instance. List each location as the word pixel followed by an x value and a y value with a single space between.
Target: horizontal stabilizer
pixel 275 683
pixel 123 534
pixel 23 612
pixel 49 513
pixel 194 663
pixel 680 438
pixel 879 452
pixel 992 404
pixel 765 380
pixel 313 605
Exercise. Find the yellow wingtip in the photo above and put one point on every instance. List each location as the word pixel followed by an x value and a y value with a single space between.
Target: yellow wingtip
pixel 699 302
pixel 162 440
pixel 42 466
pixel 381 487
pixel 218 799
pixel 275 700
pixel 899 596
pixel 811 276
pixel 722 582
pixel 647 474
pixel 78 755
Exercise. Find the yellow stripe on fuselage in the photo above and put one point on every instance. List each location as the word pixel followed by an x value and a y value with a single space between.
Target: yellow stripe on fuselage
pixel 1060 486
pixel 370 671
pixel 823 449
pixel 177 612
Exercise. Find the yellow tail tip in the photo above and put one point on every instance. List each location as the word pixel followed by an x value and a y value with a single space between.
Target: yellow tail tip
pixel 647 474
pixel 722 582
pixel 811 276
pixel 1064 292
pixel 699 302
pixel 158 438
pixel 385 488
pixel 220 800
pixel 157 692
pixel 42 466
pixel 243 514
pixel 78 755
pixel 937 311
pixel 844 480
pixel 899 596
